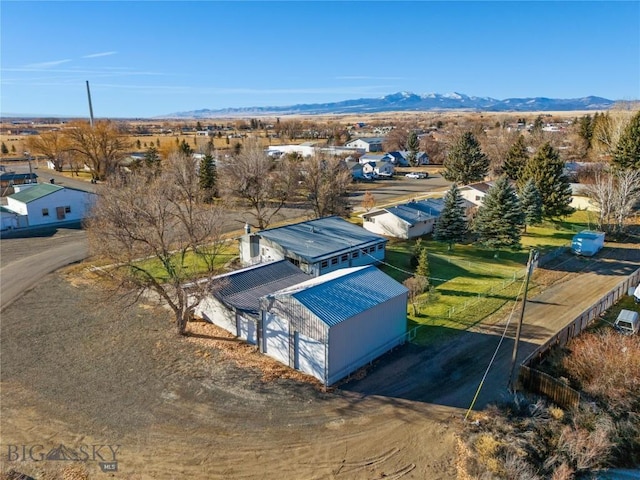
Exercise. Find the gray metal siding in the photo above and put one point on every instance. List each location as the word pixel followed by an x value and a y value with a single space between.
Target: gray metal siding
pixel 366 336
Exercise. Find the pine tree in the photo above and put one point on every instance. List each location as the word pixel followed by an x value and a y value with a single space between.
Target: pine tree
pixel 531 204
pixel 208 177
pixel 516 159
pixel 186 148
pixel 151 158
pixel 451 226
pixel 413 144
pixel 3 149
pixel 465 162
pixel 422 270
pixel 500 216
pixel 627 153
pixel 546 169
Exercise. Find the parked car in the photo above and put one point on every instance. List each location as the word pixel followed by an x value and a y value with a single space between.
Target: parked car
pixel 627 322
pixel 417 175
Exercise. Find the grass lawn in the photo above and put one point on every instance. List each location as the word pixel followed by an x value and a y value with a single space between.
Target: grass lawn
pixel 470 283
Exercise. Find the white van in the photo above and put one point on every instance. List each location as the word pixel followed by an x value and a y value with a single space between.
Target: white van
pixel 627 322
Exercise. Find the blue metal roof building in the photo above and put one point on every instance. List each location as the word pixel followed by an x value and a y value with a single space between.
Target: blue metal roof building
pixel 332 325
pixel 316 246
pixel 408 220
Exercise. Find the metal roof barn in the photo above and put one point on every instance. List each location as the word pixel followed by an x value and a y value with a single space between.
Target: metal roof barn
pixel 334 324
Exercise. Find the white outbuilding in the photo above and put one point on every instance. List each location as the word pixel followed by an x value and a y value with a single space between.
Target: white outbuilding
pixel 47 204
pixel 332 325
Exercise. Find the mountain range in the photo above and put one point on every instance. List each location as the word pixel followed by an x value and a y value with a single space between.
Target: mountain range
pixel 407 101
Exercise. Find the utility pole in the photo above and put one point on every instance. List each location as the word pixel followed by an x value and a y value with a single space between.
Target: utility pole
pixel 90 106
pixel 533 259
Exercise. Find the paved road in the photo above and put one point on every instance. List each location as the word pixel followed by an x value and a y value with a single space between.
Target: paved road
pixel 26 260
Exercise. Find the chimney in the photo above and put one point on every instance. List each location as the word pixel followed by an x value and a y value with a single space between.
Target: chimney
pixel 247 228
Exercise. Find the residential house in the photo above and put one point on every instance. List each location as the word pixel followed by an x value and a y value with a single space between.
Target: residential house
pixel 380 168
pixel 332 325
pixel 316 246
pixel 368 144
pixel 47 204
pixel 400 158
pixel 355 168
pixel 475 192
pixel 407 220
pixel 9 179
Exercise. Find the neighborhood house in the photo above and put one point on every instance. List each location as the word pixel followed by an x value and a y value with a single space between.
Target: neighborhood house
pixel 407 220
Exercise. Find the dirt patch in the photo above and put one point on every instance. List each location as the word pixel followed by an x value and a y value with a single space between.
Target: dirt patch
pixel 77 371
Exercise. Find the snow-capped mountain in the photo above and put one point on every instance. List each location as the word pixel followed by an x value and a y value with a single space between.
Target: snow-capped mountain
pixel 407 101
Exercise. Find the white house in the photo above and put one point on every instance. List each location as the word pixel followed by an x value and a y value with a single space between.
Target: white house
pixel 234 303
pixel 380 168
pixel 316 246
pixel 46 204
pixel 304 150
pixel 475 192
pixel 408 220
pixel 334 324
pixel 368 144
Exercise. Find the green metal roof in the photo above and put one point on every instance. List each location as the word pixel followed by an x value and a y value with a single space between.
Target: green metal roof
pixel 36 192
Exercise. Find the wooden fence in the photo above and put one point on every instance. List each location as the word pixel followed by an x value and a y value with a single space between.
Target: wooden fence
pixel 536 381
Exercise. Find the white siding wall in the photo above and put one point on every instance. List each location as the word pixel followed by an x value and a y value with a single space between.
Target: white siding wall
pixel 422 228
pixel 78 203
pixel 215 312
pixel 275 333
pixel 351 342
pixel 309 356
pixel 474 196
pixel 247 328
pixel 387 224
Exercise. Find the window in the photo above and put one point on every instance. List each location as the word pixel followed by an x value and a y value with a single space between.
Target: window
pixel 324 264
pixel 45 212
pixel 478 197
pixel 356 254
pixel 334 261
pixel 372 249
pixel 381 246
pixel 67 209
pixel 345 257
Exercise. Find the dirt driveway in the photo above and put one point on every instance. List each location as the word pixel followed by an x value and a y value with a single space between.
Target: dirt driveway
pixel 78 372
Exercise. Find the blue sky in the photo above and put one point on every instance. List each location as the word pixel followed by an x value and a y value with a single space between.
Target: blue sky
pixel 148 58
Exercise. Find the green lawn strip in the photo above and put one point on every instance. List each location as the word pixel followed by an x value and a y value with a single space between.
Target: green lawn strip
pixel 192 266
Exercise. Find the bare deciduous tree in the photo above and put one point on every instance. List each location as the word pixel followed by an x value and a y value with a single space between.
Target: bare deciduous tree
pixel 614 194
pixel 52 145
pixel 325 182
pixel 102 147
pixel 152 228
pixel 262 183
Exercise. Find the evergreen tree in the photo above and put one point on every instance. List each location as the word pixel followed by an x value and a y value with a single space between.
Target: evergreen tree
pixel 451 226
pixel 208 177
pixel 151 158
pixel 413 144
pixel 531 203
pixel 465 162
pixel 585 128
pixel 4 149
pixel 422 269
pixel 13 149
pixel 186 148
pixel 627 153
pixel 516 159
pixel 546 169
pixel 500 216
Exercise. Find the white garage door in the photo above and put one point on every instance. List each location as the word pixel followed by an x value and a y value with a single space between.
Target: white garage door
pixel 309 356
pixel 276 338
pixel 247 329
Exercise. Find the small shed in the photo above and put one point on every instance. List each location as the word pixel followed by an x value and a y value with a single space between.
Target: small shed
pixel 330 326
pixel 587 243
